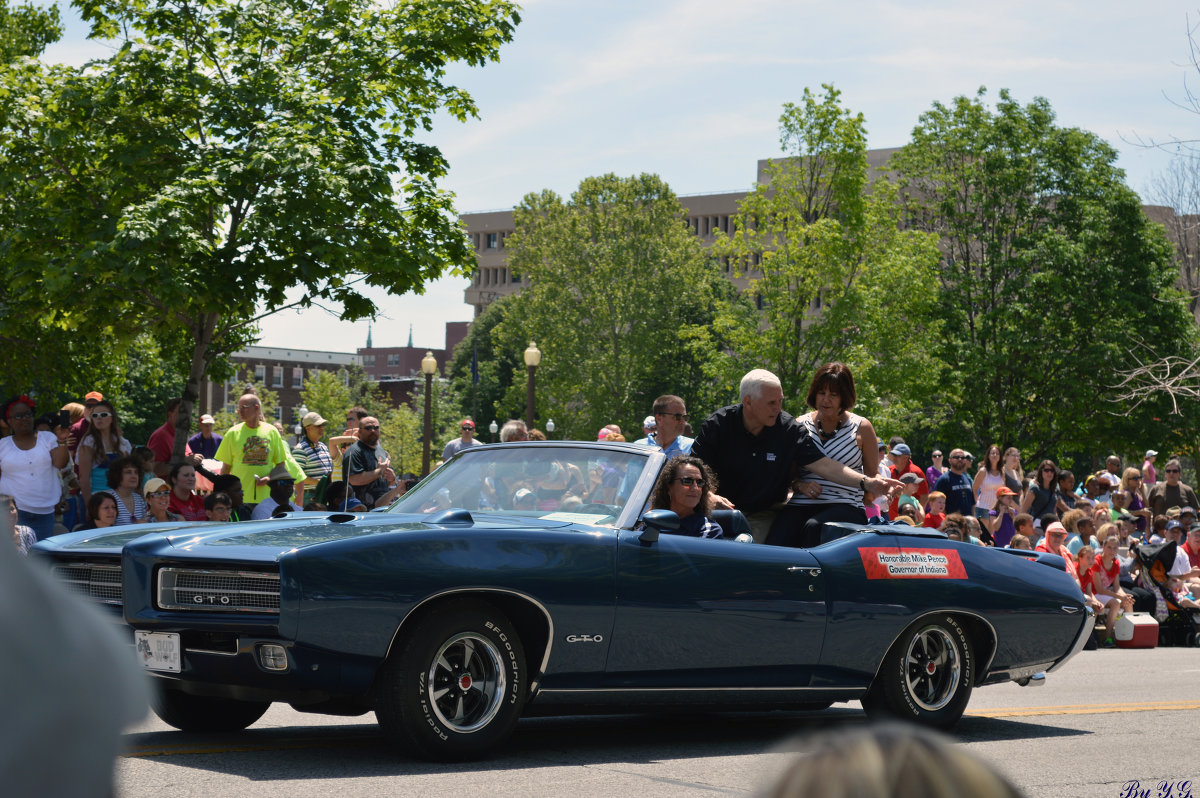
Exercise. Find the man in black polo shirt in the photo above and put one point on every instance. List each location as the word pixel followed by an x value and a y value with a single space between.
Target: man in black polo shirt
pixel 751 446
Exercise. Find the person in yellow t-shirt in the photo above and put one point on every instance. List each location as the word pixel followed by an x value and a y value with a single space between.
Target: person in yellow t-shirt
pixel 252 448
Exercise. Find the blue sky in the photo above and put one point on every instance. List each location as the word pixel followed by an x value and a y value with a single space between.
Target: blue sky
pixel 692 90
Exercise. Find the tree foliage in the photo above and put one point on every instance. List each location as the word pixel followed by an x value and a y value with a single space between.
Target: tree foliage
pixel 836 277
pixel 497 368
pixel 26 30
pixel 621 302
pixel 1051 275
pixel 228 152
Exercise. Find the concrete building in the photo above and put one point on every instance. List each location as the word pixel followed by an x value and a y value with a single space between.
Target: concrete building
pixel 706 214
pixel 282 370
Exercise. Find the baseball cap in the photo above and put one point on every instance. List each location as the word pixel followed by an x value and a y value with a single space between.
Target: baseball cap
pixel 93 396
pixel 154 485
pixel 207 419
pixel 1004 490
pixel 910 479
pixel 1151 453
pixel 649 423
pixel 1183 510
pixel 312 418
pixel 902 448
pixel 1173 524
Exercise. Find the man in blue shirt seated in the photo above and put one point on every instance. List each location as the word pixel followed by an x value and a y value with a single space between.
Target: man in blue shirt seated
pixel 670 419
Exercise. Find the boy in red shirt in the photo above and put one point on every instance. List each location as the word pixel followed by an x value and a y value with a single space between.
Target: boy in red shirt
pixel 936 513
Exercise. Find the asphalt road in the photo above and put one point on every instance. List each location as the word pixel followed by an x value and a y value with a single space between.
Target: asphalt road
pixel 1108 718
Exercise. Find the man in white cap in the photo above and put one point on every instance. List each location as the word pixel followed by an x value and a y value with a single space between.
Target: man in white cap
pixel 648 425
pixel 1149 477
pixel 205 442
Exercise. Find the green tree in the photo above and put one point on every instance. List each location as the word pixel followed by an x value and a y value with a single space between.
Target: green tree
pixel 228 152
pixel 496 368
pixel 620 301
pixel 836 277
pixel 26 30
pixel 1052 275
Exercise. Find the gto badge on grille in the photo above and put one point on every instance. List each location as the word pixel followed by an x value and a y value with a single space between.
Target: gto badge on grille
pixel 585 638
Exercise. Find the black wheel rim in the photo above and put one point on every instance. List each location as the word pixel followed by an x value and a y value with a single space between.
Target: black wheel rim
pixel 466 682
pixel 932 668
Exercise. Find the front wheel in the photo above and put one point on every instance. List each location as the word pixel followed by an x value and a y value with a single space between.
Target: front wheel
pixel 193 713
pixel 926 676
pixel 456 686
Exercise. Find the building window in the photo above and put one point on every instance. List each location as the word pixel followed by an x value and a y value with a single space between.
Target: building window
pixel 260 373
pixel 516 277
pixel 277 376
pixel 278 413
pixel 297 378
pixel 393 360
pixel 492 240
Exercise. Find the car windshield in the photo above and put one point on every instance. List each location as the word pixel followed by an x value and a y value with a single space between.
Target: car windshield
pixel 582 484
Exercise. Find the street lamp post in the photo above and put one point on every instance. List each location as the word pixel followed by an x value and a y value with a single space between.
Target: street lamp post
pixel 549 427
pixel 301 412
pixel 493 428
pixel 533 357
pixel 428 368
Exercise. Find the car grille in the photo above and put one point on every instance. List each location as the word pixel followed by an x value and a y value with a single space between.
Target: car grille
pixel 100 581
pixel 218 591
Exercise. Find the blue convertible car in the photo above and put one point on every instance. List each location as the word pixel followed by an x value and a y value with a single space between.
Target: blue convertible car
pixel 532 578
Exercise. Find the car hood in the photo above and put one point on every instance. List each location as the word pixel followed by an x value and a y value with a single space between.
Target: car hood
pixel 272 538
pixel 109 541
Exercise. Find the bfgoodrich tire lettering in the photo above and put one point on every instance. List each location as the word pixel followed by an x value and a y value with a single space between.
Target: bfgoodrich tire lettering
pixel 927 675
pixel 193 713
pixel 455 685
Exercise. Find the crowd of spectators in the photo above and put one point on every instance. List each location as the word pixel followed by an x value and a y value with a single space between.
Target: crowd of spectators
pixel 73 469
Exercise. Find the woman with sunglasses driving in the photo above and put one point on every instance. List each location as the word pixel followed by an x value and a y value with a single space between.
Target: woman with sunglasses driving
pixel 685 487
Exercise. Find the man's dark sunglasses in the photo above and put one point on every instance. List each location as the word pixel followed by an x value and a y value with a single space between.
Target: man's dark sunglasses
pixel 369 427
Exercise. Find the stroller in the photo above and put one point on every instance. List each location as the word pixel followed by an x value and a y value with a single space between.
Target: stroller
pixel 1176 625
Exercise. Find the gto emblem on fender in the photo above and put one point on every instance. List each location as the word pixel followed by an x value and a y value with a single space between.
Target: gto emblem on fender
pixel 585 638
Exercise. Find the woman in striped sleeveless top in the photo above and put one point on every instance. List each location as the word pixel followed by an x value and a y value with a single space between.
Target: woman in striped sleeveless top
pixel 840 435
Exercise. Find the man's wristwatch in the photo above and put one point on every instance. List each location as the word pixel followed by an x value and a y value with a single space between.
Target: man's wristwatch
pixel 862 484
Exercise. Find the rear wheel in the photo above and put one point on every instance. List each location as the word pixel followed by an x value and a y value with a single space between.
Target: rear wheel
pixel 456 685
pixel 195 713
pixel 926 676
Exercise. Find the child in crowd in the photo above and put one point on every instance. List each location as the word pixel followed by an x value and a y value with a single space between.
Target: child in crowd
pixel 912 483
pixel 1120 500
pixel 145 458
pixel 1000 518
pixel 23 536
pixel 1023 524
pixel 1019 541
pixel 936 512
pixel 218 507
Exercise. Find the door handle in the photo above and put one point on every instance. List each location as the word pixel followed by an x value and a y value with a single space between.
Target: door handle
pixel 812 571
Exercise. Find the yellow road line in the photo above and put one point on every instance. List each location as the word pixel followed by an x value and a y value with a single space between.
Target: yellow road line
pixel 1085 709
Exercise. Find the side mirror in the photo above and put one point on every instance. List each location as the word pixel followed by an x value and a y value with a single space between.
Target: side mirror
pixel 657 522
